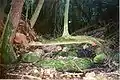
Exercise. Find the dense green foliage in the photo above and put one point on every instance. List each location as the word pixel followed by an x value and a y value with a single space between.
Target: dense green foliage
pixel 68 64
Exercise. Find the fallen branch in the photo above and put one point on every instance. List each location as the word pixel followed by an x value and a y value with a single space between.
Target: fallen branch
pixel 23 76
pixel 69 40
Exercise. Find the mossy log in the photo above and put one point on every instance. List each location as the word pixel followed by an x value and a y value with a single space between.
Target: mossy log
pixel 69 40
pixel 69 64
pixel 61 64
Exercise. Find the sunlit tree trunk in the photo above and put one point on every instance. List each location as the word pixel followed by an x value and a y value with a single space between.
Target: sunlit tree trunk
pixel 66 32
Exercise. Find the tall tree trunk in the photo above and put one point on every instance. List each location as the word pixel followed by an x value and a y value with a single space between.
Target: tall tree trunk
pixel 7 51
pixel 3 4
pixel 66 32
pixel 36 13
pixel 16 9
pixel 15 15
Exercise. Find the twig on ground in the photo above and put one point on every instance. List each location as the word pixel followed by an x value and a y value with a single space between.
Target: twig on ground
pixel 23 76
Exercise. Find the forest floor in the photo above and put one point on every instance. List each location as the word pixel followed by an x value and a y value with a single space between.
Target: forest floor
pixel 28 70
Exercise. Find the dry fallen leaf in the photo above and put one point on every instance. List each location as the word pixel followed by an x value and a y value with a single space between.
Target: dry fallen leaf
pixel 93 76
pixel 21 39
pixel 94 44
pixel 90 76
pixel 52 48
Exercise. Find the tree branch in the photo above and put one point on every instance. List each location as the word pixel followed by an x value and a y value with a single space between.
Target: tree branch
pixel 36 13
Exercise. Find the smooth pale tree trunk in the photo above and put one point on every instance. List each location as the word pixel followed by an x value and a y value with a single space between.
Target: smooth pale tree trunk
pixel 66 32
pixel 36 13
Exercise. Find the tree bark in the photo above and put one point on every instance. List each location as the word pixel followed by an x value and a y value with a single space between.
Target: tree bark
pixel 15 15
pixel 16 9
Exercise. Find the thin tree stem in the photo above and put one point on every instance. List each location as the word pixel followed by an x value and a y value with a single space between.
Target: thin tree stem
pixel 36 13
pixel 66 32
